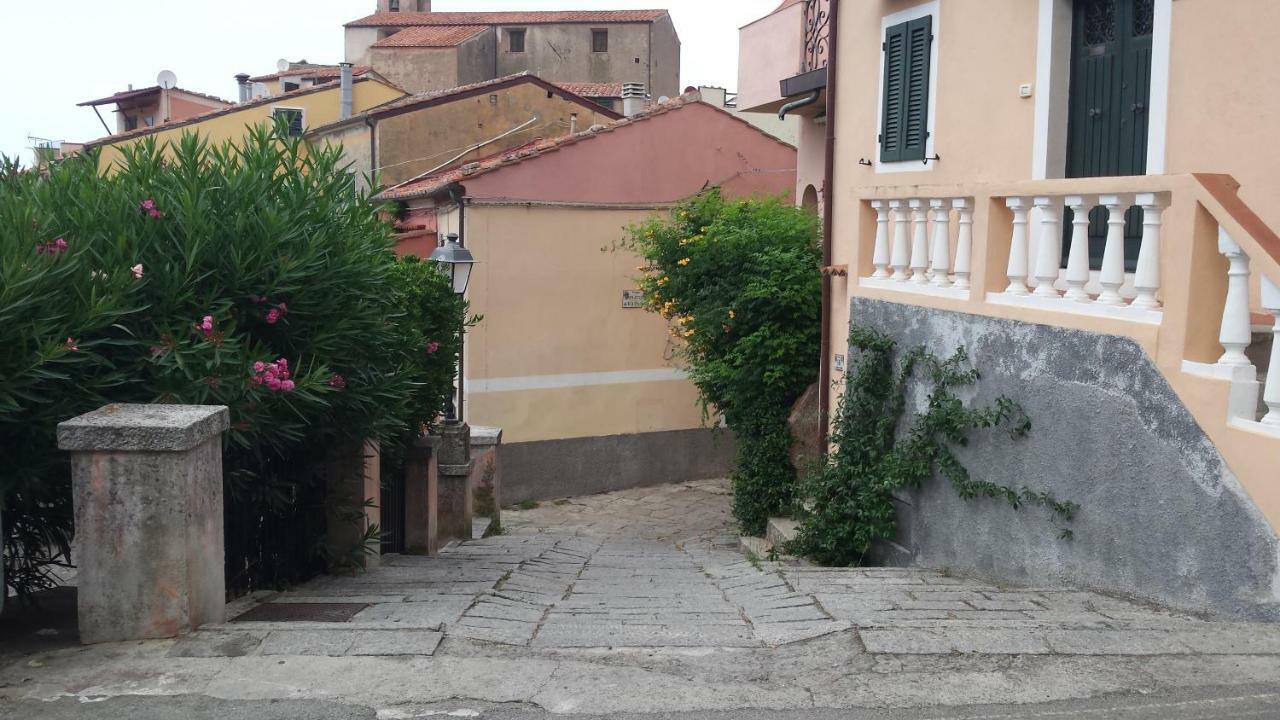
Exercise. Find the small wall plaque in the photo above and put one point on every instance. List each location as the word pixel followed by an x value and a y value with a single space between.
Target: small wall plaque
pixel 839 363
pixel 632 298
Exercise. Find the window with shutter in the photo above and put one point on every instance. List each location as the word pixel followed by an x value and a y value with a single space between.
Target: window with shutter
pixel 908 56
pixel 292 119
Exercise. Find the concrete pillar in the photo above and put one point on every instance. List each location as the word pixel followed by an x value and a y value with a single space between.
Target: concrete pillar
pixel 421 486
pixel 147 488
pixel 354 505
pixel 454 506
pixel 486 473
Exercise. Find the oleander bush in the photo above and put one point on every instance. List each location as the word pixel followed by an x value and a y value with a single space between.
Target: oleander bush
pixel 740 282
pixel 252 275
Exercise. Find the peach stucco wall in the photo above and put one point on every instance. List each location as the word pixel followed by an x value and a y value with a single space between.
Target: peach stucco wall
pixel 660 159
pixel 769 50
pixel 1224 110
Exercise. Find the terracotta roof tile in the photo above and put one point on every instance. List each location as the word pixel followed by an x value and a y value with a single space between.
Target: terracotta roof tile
pixel 315 72
pixel 140 132
pixel 593 90
pixel 508 18
pixel 154 89
pixel 430 36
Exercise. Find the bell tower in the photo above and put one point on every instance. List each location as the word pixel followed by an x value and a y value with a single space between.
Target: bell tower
pixel 385 6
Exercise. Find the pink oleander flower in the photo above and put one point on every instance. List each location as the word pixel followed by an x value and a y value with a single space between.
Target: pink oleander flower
pixel 433 347
pixel 275 376
pixel 259 299
pixel 148 204
pixel 259 366
pixel 337 382
pixel 287 385
pixel 57 247
pixel 205 327
pixel 273 317
pixel 137 271
pixel 283 308
pixel 71 344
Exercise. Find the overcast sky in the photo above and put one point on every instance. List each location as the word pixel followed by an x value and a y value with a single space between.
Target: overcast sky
pixel 56 54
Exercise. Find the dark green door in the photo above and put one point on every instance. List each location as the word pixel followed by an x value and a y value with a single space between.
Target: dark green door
pixel 1110 96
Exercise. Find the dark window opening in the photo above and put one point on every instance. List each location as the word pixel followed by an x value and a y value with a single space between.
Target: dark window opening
pixel 600 41
pixel 516 41
pixel 291 86
pixel 603 102
pixel 292 118
pixel 395 6
pixel 130 122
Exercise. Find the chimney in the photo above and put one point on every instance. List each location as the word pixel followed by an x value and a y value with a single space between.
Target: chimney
pixel 345 111
pixel 633 97
pixel 246 87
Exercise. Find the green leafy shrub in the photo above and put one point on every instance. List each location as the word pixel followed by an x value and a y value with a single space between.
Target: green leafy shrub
pixel 850 498
pixel 740 282
pixel 254 276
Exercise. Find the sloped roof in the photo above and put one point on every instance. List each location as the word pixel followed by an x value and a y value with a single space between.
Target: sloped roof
pixel 126 95
pixel 508 18
pixel 432 184
pixel 593 90
pixel 313 72
pixel 430 36
pixel 140 132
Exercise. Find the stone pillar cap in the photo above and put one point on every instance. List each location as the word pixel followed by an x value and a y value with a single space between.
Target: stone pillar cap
pixel 143 428
pixel 484 436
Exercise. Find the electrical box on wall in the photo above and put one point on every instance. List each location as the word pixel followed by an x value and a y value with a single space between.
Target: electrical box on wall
pixel 1026 90
pixel 839 363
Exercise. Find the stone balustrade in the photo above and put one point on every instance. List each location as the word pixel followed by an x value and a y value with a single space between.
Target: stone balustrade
pixel 916 249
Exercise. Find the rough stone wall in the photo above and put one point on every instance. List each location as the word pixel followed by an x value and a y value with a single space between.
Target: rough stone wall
pixel 549 469
pixel 1162 517
pixel 417 70
pixel 562 53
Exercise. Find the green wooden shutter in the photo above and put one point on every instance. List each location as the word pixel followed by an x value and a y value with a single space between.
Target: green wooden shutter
pixel 908 50
pixel 895 66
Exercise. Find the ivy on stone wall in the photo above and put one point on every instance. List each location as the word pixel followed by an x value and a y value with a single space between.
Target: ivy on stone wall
pixel 849 500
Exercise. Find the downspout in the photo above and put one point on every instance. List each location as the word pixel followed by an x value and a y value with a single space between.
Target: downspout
pixel 797 104
pixel 828 216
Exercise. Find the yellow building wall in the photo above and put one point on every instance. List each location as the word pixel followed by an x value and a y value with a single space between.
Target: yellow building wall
pixel 417 142
pixel 319 108
pixel 554 322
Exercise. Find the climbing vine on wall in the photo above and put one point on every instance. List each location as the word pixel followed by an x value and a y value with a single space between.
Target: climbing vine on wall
pixel 849 500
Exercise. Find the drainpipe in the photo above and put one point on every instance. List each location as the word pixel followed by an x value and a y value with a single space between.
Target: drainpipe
pixel 828 215
pixel 345 90
pixel 802 102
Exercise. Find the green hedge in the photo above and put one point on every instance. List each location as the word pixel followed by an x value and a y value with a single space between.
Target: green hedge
pixel 254 276
pixel 740 282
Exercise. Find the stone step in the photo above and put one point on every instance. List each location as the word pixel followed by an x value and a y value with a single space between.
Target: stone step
pixel 781 531
pixel 754 546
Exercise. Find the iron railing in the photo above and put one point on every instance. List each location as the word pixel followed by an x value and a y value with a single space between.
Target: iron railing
pixel 817 34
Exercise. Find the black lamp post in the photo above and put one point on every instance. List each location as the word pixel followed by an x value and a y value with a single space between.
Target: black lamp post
pixel 457 261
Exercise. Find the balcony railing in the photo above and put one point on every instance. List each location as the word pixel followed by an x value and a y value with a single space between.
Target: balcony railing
pixel 817 34
pixel 999 251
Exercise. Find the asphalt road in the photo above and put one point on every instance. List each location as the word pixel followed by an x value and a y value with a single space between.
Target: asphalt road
pixel 1250 702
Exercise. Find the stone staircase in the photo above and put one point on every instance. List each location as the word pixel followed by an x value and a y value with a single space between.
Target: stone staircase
pixel 779 532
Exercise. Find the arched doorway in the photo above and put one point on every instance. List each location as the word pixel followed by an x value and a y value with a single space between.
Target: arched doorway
pixel 809 200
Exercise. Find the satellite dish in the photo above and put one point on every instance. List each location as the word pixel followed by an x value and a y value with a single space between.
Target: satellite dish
pixel 167 80
pixel 282 64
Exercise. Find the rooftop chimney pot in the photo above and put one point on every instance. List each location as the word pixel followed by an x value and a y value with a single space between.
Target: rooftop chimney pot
pixel 346 91
pixel 245 87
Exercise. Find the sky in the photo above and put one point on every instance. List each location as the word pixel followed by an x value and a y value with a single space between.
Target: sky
pixel 57 54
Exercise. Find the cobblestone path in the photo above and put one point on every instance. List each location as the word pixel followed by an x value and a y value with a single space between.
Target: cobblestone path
pixel 639 601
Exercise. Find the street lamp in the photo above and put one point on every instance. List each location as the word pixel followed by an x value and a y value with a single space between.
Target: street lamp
pixel 457 262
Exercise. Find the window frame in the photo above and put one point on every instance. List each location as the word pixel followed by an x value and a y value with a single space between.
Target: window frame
pixel 302 119
pixel 512 34
pixel 929 9
pixel 596 34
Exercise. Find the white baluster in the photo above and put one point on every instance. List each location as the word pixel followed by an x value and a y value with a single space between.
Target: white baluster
pixel 1271 395
pixel 1078 256
pixel 941 256
pixel 919 242
pixel 1049 248
pixel 1017 271
pixel 901 258
pixel 964 242
pixel 1113 256
pixel 1236 331
pixel 880 259
pixel 1147 279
